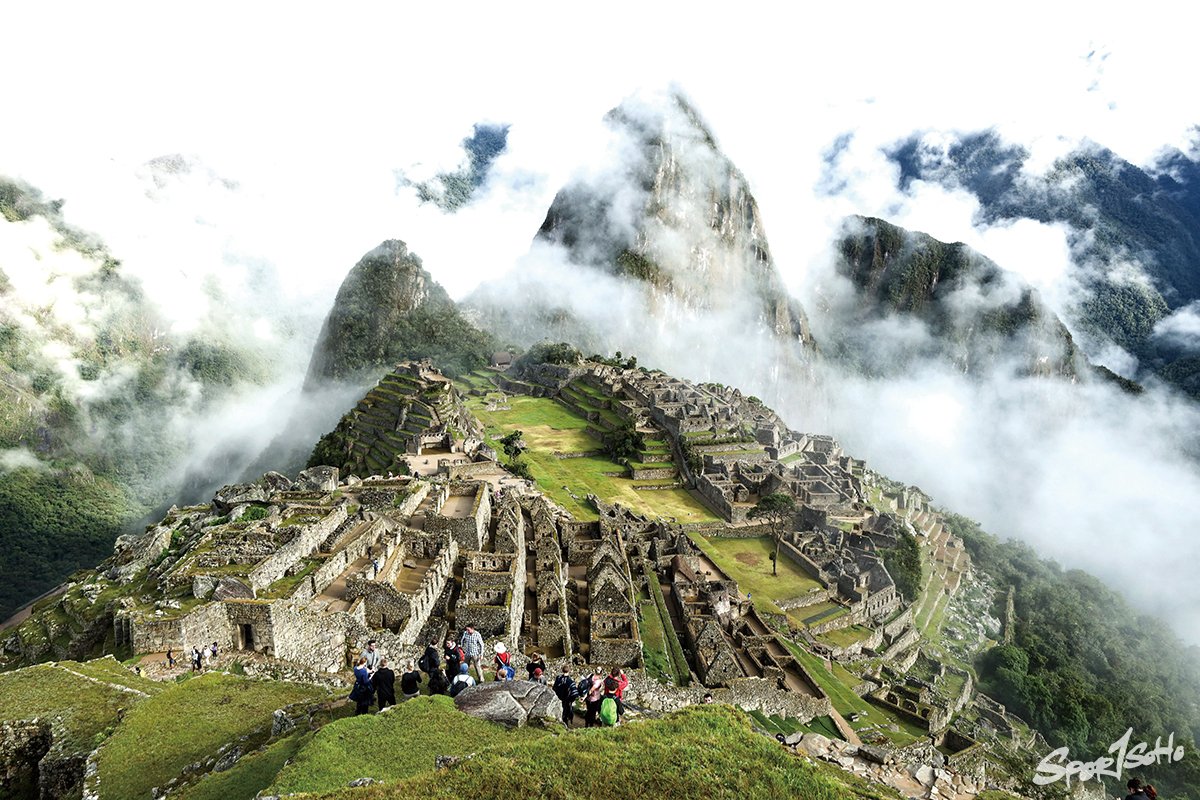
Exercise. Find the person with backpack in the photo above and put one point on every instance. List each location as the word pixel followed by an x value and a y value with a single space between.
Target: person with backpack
pixel 430 660
pixel 592 698
pixel 454 656
pixel 461 681
pixel 362 691
pixel 620 681
pixel 503 662
pixel 609 715
pixel 197 662
pixel 566 691
pixel 384 681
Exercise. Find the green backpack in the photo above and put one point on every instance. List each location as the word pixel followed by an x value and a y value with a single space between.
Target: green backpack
pixel 608 711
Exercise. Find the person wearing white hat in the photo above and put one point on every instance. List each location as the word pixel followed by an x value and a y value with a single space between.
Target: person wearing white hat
pixel 504 661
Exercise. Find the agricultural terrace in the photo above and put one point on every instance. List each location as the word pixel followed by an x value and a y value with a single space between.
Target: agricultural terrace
pixel 551 430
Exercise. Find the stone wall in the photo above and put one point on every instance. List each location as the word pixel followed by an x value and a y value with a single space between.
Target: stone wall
pixel 423 600
pixel 471 531
pixel 306 541
pixel 314 640
pixel 752 694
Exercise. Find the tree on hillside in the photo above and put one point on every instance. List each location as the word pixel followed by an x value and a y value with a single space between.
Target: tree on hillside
pixel 513 444
pixel 777 510
pixel 624 442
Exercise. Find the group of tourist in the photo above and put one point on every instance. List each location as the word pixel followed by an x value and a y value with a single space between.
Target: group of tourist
pixel 200 656
pixel 448 669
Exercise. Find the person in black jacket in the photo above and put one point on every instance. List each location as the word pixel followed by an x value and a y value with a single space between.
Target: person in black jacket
pixel 410 681
pixel 438 682
pixel 431 659
pixel 536 662
pixel 385 685
pixel 566 690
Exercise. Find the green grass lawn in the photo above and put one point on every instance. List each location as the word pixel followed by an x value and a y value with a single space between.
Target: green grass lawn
pixel 748 561
pixel 188 723
pixel 392 746
pixel 702 751
pixel 844 637
pixel 839 685
pixel 654 643
pixel 549 426
pixel 82 712
pixel 250 775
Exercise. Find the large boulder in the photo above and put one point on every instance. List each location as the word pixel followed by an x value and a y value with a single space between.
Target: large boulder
pixel 317 479
pixel 229 496
pixel 512 703
pixel 230 588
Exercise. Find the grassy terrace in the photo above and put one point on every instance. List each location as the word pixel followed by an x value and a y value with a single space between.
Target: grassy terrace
pixel 551 427
pixel 748 561
pixel 702 751
pixel 844 637
pixel 188 723
pixel 839 685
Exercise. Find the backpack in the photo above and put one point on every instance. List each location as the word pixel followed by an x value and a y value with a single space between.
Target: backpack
pixel 510 672
pixel 584 686
pixel 425 664
pixel 565 688
pixel 608 711
pixel 457 686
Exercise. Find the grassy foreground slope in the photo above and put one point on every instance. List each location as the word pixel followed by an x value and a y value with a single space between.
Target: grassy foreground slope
pixel 188 723
pixel 702 751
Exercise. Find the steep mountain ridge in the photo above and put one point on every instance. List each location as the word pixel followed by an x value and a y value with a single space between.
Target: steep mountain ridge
pixel 977 314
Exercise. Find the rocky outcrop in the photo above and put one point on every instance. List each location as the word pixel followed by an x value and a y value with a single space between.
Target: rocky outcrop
pixel 512 703
pixel 389 309
pixel 22 746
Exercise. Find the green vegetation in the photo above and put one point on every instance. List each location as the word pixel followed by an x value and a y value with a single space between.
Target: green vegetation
pixel 53 522
pixel 548 427
pixel 703 751
pixel 748 561
pixel 844 637
pixel 187 723
pixel 250 775
pixel 777 510
pixel 623 443
pixel 1083 666
pixel 548 353
pixel 254 513
pixel 389 309
pixel 662 638
pixel 82 712
pixel 428 727
pixel 903 563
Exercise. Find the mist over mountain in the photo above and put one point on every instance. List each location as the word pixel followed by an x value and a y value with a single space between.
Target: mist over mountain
pixel 1133 235
pixel 907 284
pixel 658 247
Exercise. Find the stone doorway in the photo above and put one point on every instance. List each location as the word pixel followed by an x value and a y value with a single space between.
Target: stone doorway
pixel 245 636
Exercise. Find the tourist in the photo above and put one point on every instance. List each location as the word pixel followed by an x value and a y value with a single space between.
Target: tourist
pixel 214 651
pixel 592 698
pixel 197 663
pixel 707 698
pixel 610 705
pixel 564 687
pixel 616 683
pixel 362 691
pixel 1135 790
pixel 503 662
pixel 372 655
pixel 430 660
pixel 384 681
pixel 170 659
pixel 536 662
pixel 410 681
pixel 462 680
pixel 455 655
pixel 539 676
pixel 471 643
pixel 437 681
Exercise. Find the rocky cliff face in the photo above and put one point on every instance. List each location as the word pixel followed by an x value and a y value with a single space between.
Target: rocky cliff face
pixel 973 312
pixel 660 251
pixel 390 309
pixel 681 220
